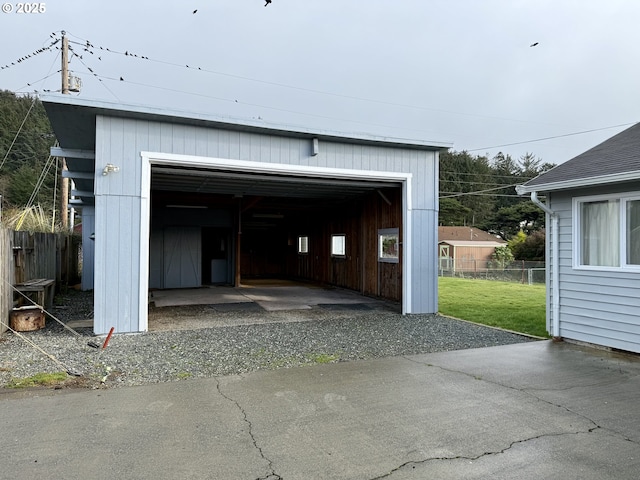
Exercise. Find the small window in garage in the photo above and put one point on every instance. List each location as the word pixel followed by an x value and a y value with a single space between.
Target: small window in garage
pixel 338 245
pixel 388 245
pixel 303 244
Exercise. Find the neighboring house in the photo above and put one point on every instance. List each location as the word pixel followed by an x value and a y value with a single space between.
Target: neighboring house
pixel 466 249
pixel 171 200
pixel 593 244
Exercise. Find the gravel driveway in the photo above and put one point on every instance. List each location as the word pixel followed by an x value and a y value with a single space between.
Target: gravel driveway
pixel 236 346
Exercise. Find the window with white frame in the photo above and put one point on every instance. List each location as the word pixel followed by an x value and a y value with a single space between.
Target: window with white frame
pixel 303 244
pixel 607 232
pixel 388 245
pixel 338 245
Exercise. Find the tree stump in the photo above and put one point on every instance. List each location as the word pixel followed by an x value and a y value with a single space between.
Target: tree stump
pixel 27 319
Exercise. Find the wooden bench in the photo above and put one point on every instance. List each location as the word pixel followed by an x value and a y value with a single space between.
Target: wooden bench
pixel 43 287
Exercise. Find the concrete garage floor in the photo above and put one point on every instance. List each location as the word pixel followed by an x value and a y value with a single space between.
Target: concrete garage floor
pixel 255 301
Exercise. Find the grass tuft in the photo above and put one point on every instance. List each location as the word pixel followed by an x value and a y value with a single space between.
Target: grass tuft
pixel 38 380
pixel 322 358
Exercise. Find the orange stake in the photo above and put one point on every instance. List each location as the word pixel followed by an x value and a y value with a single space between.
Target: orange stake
pixel 106 340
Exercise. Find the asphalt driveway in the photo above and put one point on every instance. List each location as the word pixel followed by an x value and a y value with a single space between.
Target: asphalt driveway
pixel 522 411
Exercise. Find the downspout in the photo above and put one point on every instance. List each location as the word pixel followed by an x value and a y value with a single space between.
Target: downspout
pixel 555 272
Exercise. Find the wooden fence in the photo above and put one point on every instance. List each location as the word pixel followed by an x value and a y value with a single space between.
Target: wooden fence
pixel 6 276
pixel 25 256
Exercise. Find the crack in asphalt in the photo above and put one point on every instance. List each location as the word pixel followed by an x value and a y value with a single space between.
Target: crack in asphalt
pixel 272 475
pixel 477 457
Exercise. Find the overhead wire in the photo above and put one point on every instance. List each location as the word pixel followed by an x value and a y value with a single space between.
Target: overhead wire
pixel 29 56
pixel 478 191
pixel 66 368
pixel 36 190
pixel 326 117
pixel 553 137
pixel 18 132
pixel 90 70
pixel 88 45
pixel 55 197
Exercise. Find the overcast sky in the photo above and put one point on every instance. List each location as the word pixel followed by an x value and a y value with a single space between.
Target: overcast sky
pixel 459 71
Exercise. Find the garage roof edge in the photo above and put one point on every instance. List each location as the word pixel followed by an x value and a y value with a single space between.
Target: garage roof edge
pixel 100 107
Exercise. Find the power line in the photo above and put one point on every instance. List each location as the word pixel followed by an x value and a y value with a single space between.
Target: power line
pixel 29 56
pixel 467 182
pixel 554 137
pixel 33 102
pixel 487 174
pixel 479 191
pixel 256 105
pixel 484 195
pixel 88 46
pixel 90 70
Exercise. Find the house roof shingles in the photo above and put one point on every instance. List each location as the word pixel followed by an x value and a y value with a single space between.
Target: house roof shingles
pixel 612 158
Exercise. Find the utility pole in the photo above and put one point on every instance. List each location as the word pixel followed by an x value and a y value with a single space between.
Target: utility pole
pixel 65 64
pixel 64 215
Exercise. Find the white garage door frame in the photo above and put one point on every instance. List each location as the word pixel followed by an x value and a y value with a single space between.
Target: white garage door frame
pixel 150 159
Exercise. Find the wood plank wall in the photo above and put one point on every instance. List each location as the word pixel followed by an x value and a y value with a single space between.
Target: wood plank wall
pixel 359 270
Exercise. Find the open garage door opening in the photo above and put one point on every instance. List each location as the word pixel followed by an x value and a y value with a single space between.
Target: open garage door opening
pixel 216 227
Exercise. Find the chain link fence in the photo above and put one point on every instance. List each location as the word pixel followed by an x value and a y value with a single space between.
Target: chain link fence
pixel 516 271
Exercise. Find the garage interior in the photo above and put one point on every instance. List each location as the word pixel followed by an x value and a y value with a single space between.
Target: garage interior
pixel 229 228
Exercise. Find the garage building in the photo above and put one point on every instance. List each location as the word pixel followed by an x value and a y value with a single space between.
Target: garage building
pixel 176 200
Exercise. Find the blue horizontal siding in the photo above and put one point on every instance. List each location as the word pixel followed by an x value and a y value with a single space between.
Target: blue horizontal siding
pixel 598 307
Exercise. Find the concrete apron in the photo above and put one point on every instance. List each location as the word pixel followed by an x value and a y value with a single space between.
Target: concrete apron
pixel 251 298
pixel 533 410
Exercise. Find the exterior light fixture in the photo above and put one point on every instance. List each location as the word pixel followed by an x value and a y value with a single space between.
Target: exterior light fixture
pixel 110 168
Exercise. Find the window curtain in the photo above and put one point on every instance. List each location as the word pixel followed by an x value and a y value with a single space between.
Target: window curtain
pixel 633 232
pixel 600 233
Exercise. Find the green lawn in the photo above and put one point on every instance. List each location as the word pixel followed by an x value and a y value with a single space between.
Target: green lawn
pixel 512 306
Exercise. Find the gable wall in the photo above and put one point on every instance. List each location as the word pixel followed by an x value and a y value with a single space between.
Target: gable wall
pixel 119 202
pixel 597 307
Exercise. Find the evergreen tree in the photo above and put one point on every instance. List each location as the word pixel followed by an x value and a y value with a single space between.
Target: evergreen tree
pixel 25 141
pixel 477 192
